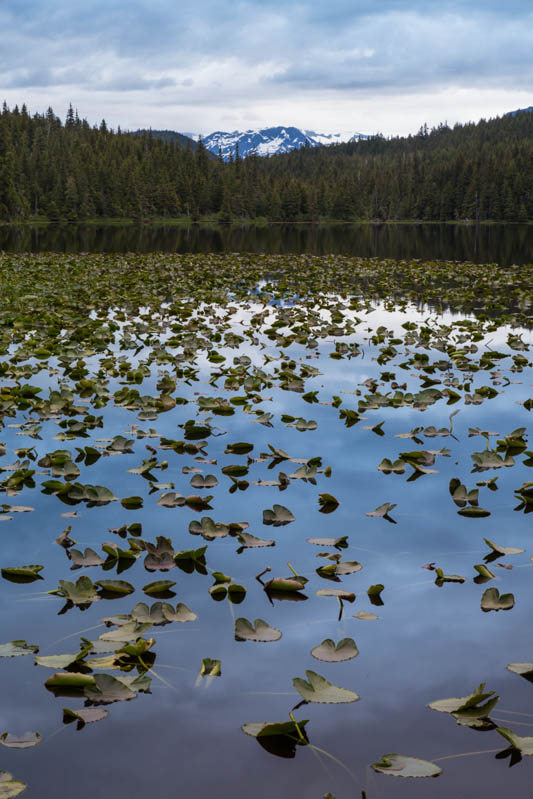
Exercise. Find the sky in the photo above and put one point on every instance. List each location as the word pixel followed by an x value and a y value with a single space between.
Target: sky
pixel 369 66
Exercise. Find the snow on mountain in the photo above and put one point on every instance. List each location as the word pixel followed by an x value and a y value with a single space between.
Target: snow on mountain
pixel 271 141
pixel 334 138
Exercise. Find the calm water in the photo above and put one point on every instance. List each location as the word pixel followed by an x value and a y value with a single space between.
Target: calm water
pixel 503 244
pixel 428 643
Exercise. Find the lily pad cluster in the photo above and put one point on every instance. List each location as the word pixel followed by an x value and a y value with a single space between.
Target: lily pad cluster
pixel 180 379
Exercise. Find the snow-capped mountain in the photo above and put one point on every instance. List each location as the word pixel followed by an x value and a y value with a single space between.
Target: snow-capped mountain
pixel 271 141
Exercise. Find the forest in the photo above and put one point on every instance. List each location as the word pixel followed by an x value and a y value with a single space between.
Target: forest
pixel 71 171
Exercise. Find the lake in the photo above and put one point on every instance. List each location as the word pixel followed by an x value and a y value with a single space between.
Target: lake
pixel 502 244
pixel 197 419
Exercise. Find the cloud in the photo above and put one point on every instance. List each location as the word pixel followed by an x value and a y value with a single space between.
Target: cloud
pixel 238 60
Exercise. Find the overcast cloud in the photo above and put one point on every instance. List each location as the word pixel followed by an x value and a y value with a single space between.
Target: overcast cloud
pixel 386 65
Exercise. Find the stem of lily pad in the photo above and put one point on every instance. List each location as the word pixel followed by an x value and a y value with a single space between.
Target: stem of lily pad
pixel 341 610
pixel 258 576
pixel 300 735
pixel 292 570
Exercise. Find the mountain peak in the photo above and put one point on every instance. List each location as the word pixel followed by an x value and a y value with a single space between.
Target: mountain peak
pixel 271 141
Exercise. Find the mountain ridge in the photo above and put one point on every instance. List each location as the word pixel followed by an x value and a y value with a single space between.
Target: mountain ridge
pixel 270 141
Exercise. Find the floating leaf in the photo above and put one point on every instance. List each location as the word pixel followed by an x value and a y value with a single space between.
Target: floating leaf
pixel 492 600
pixel 107 689
pixel 499 550
pixel 9 788
pixel 17 648
pixel 330 652
pixel 211 668
pixel 328 503
pixel 248 541
pixel 344 595
pixel 258 631
pixel 22 574
pixel 279 738
pixel 23 742
pixel 132 503
pixel 199 481
pixel 115 587
pixel 88 558
pixel 382 512
pixel 158 588
pixel 468 707
pixel 278 516
pixel 474 512
pixel 318 689
pixel 523 745
pixel 403 766
pixel 83 716
pixel 338 543
pixel 523 669
pixel 82 592
pixel 365 616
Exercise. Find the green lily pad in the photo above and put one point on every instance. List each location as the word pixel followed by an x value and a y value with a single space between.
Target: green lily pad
pixel 499 550
pixel 17 648
pixel 82 592
pixel 158 588
pixel 523 745
pixel 211 668
pixel 328 503
pixel 278 516
pixel 22 574
pixel 23 742
pixel 318 689
pixel 468 707
pixel 523 669
pixel 256 631
pixel 330 652
pixel 115 587
pixel 493 600
pixel 9 787
pixel 83 716
pixel 403 766
pixel 278 738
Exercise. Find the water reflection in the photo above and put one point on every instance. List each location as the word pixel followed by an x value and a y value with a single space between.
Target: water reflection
pixel 503 244
pixel 427 644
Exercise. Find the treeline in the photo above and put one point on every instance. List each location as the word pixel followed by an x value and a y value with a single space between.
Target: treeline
pixel 72 171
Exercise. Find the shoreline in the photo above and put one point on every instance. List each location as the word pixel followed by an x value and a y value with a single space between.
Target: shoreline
pixel 260 223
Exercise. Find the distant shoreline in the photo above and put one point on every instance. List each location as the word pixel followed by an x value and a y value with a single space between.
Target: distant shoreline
pixel 260 222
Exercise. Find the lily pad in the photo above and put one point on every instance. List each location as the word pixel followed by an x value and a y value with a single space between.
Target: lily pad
pixel 22 574
pixel 23 742
pixel 17 648
pixel 159 588
pixel 278 516
pixel 493 600
pixel 397 765
pixel 256 631
pixel 83 716
pixel 9 787
pixel 279 738
pixel 330 652
pixel 524 745
pixel 318 689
